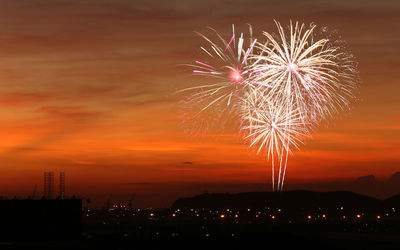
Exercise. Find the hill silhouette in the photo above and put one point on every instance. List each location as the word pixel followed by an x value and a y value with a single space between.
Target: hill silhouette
pixel 366 185
pixel 393 201
pixel 293 202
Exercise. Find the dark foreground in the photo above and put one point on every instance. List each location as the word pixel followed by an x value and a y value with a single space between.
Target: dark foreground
pixel 149 229
pixel 288 220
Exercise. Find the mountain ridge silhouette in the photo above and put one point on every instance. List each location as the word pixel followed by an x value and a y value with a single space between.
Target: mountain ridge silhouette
pixel 365 185
pixel 301 200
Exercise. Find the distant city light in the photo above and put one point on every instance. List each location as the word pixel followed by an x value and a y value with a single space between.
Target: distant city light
pixel 222 216
pixel 309 217
pixel 358 216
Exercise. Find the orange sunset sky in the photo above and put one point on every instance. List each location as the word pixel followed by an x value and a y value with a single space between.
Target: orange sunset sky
pixel 87 87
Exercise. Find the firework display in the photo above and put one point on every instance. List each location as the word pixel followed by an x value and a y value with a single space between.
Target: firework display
pixel 281 89
pixel 277 127
pixel 227 62
pixel 310 74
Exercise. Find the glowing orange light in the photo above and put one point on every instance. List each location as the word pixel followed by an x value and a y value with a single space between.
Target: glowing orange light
pixel 344 217
pixel 309 217
pixel 324 216
pixel 235 75
pixel 236 216
pixel 151 214
pixel 257 216
pixel 273 217
pixel 358 216
pixel 378 217
pixel 173 215
pixel 222 216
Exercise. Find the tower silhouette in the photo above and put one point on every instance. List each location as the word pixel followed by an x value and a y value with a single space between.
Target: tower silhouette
pixel 48 185
pixel 62 185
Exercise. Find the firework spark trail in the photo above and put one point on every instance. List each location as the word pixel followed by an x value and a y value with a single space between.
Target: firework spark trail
pixel 282 89
pixel 272 127
pixel 304 73
pixel 228 62
pixel 305 69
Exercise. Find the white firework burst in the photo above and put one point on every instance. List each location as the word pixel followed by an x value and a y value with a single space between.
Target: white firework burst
pixel 310 74
pixel 276 128
pixel 283 88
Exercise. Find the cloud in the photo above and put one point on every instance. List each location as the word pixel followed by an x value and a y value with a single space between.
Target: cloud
pixel 138 183
pixel 26 149
pixel 80 162
pixel 23 98
pixel 37 143
pixel 71 113
pixel 90 91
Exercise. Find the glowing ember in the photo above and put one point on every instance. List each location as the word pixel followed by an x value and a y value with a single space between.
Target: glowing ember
pixel 235 76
